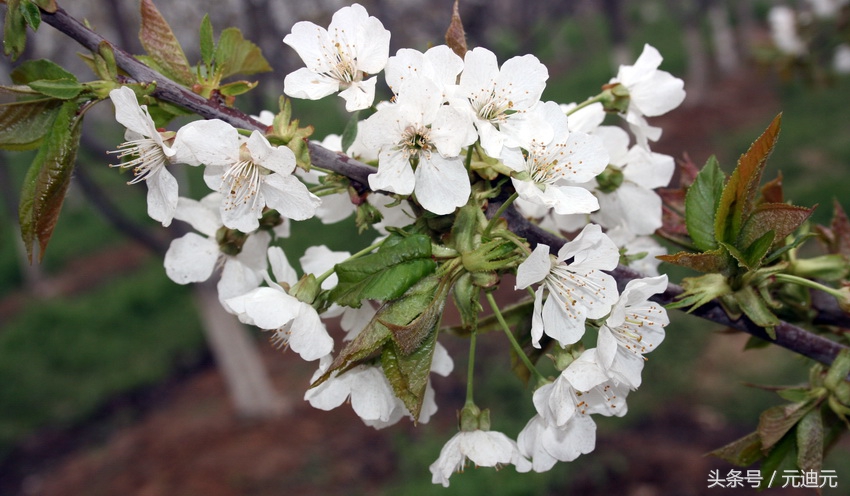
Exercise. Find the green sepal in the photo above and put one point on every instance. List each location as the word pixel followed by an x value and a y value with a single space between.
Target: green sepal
pixel 48 179
pixel 386 274
pixel 466 298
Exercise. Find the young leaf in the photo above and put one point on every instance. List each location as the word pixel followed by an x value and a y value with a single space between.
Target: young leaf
pixel 46 5
pixel 31 14
pixel 14 29
pixel 207 41
pixel 63 89
pixel 23 124
pixel 701 203
pixel 33 70
pixel 741 452
pixel 408 373
pixel 236 55
pixel 385 274
pixel 737 200
pixel 778 420
pixel 714 261
pixel 48 179
pixel 754 306
pixel 236 88
pixel 810 441
pixel 159 41
pixel 781 218
pixel 455 34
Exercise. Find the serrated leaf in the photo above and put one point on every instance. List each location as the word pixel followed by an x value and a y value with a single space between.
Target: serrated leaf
pixel 781 218
pixel 709 262
pixel 700 290
pixel 24 124
pixel 795 394
pixel 701 203
pixel 31 14
pixel 14 30
pixel 63 89
pixel 783 456
pixel 810 442
pixel 34 70
pixel 160 43
pixel 48 179
pixel 349 134
pixel 777 421
pixel 236 55
pixel 385 274
pixel 742 452
pixel 836 237
pixel 207 41
pixel 408 373
pixel 455 34
pixel 738 198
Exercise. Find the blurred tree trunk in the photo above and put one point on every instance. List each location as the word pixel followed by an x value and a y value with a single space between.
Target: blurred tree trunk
pixel 723 37
pixel 620 53
pixel 689 15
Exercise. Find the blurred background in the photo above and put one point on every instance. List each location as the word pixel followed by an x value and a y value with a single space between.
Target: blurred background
pixel 111 378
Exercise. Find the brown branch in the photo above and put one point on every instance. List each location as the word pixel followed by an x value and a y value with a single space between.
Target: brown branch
pixel 788 336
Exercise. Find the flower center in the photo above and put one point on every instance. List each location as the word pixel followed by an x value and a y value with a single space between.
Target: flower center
pixel 241 183
pixel 150 158
pixel 416 140
pixel 342 66
pixel 492 108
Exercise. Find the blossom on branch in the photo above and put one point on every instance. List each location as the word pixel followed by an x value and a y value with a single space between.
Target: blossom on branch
pixel 341 57
pixel 484 448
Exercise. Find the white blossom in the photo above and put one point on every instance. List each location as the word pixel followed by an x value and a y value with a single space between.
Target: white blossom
pixel 149 152
pixel 251 174
pixel 483 448
pixel 340 57
pixel 651 93
pixel 577 291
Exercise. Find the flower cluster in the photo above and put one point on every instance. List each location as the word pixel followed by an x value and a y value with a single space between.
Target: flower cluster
pixel 456 134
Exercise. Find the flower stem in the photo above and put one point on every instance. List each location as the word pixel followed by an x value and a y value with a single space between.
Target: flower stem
pixel 470 371
pixel 499 213
pixel 517 348
pixel 802 281
pixel 589 101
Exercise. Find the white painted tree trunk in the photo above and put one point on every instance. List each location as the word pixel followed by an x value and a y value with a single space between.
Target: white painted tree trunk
pixel 723 37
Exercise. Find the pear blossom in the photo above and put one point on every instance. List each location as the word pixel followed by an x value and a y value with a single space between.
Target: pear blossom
pixel 251 174
pixel 439 64
pixel 651 93
pixel 194 257
pixel 484 448
pixel 634 328
pixel 340 57
pixel 151 151
pixel 498 98
pixel 577 291
pixel 546 444
pixel 420 142
pixel 548 169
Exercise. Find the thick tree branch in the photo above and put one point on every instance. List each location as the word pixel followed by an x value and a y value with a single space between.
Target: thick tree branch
pixel 787 335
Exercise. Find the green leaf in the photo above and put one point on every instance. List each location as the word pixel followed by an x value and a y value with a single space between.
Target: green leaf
pixel 778 420
pixel 755 252
pixel 236 88
pixel 63 89
pixel 810 441
pixel 385 274
pixel 428 297
pixel 783 456
pixel 236 55
pixel 14 30
pixel 408 373
pixel 31 14
pixel 738 198
pixel 160 43
pixel 349 134
pixel 466 297
pixel 701 203
pixel 781 218
pixel 48 179
pixel 34 70
pixel 700 290
pixel 754 306
pixel 742 452
pixel 207 41
pixel 24 123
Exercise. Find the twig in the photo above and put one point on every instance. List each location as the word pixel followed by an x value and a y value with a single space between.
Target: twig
pixel 788 336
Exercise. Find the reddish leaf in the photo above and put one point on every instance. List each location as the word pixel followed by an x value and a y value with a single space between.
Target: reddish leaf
pixel 781 218
pixel 837 236
pixel 776 421
pixel 772 191
pixel 738 198
pixel 159 41
pixel 708 262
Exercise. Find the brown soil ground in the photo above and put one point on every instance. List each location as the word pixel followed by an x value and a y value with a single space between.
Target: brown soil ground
pixel 182 438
